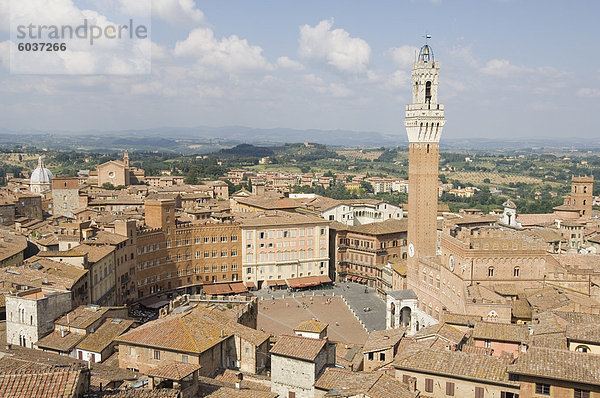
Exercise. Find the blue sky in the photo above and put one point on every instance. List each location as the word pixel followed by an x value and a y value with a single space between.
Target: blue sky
pixel 508 68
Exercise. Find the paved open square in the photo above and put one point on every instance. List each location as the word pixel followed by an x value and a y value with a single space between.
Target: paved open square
pixel 281 316
pixel 357 297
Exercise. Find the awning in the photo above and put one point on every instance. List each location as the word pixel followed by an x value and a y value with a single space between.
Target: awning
pixel 238 287
pixel 217 290
pixel 250 285
pixel 154 302
pixel 276 282
pixel 350 277
pixel 324 279
pixel 306 281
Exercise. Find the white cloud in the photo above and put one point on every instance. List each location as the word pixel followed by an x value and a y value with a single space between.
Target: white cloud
pixel 400 78
pixel 176 12
pixel 4 15
pixel 231 54
pixel 5 53
pixel 287 63
pixel 336 47
pixel 336 90
pixel 331 89
pixel 465 53
pixel 502 68
pixel 404 56
pixel 587 92
pixel 159 52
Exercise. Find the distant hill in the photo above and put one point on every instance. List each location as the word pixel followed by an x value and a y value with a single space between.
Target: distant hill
pixel 246 150
pixel 204 139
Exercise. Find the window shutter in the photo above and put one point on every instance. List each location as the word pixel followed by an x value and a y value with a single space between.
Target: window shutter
pixel 449 388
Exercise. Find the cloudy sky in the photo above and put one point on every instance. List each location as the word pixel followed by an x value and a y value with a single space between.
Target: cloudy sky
pixel 509 68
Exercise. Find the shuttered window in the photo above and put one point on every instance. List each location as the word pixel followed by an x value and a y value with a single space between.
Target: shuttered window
pixel 479 392
pixel 428 385
pixel 449 388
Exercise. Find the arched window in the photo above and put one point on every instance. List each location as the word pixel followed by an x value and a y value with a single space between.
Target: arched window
pixel 490 272
pixel 585 189
pixel 516 272
pixel 582 348
pixel 428 92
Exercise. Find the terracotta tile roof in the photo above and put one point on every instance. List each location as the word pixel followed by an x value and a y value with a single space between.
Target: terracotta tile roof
pixel 104 237
pixel 578 261
pixel 577 317
pixel 255 219
pixel 50 383
pixel 142 393
pixel 382 339
pixel 341 382
pixel 390 226
pixel 456 364
pixel 51 274
pixel 473 349
pixel 56 342
pixel 100 372
pixel 536 219
pixel 195 330
pixel 501 332
pixel 460 319
pixel 574 367
pixel 338 379
pixel 389 387
pixel 584 333
pixel 444 331
pixel 298 347
pixel 95 253
pixel 213 388
pixel 548 235
pixel 230 376
pixel 348 355
pixel 554 340
pixel 312 325
pixel 173 333
pixel 83 316
pixel 105 334
pixel 174 371
pixel 11 243
pixel 521 309
pixel 269 202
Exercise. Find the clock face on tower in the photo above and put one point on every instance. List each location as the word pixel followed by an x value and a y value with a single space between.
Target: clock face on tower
pixel 411 250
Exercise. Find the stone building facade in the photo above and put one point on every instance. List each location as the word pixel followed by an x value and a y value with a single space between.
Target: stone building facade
pixel 283 246
pixel 30 314
pixel 362 252
pixel 65 196
pixel 185 256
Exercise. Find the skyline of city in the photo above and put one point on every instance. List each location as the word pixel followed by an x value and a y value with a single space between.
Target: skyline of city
pixel 509 69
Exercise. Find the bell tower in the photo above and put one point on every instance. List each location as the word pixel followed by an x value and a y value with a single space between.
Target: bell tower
pixel 424 123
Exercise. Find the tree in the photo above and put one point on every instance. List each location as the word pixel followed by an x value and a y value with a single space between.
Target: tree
pixel 192 176
pixel 366 185
pixel 108 186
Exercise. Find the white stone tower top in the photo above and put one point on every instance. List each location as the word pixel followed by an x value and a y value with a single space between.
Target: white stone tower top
pixel 425 117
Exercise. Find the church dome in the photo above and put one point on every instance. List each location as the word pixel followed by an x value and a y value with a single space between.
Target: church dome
pixel 426 54
pixel 41 175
